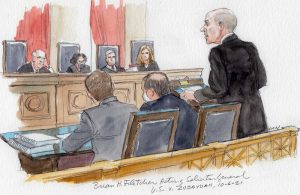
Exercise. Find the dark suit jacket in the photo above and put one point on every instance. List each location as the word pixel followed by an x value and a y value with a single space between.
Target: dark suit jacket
pixel 27 68
pixel 118 69
pixel 186 127
pixel 237 74
pixel 83 69
pixel 151 67
pixel 105 125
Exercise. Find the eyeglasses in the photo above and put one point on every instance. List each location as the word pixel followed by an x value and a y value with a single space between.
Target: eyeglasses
pixel 81 61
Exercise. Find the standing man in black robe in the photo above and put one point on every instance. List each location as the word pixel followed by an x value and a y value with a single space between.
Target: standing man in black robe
pixel 236 74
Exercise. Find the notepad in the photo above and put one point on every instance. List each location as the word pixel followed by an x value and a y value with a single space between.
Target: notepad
pixel 63 136
pixel 188 89
pixel 37 139
pixel 29 148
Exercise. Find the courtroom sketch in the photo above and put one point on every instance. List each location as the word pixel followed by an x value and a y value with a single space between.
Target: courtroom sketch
pixel 121 114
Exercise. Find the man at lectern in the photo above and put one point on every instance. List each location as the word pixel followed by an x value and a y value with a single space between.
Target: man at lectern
pixel 105 125
pixel 38 64
pixel 236 74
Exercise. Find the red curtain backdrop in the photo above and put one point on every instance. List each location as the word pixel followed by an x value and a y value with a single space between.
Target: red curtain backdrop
pixel 35 29
pixel 108 25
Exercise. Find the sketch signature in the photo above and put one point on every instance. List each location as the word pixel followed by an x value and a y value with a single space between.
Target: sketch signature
pixel 171 184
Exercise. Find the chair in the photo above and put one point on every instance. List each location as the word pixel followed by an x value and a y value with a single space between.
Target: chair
pixel 217 123
pixel 14 55
pixel 150 133
pixel 65 53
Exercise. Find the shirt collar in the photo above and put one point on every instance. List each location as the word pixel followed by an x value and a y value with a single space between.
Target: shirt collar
pixel 113 68
pixel 81 66
pixel 225 36
pixel 153 101
pixel 34 70
pixel 108 99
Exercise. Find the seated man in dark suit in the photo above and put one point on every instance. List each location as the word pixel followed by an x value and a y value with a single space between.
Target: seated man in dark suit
pixel 157 96
pixel 37 65
pixel 110 59
pixel 105 125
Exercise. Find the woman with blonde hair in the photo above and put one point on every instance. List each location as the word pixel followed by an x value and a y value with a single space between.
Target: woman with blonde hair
pixel 145 59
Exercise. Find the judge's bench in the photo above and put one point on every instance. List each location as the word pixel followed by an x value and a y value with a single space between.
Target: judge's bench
pixel 56 99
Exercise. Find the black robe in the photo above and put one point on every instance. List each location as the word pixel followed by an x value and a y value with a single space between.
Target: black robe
pixel 151 67
pixel 27 68
pixel 106 69
pixel 236 75
pixel 83 69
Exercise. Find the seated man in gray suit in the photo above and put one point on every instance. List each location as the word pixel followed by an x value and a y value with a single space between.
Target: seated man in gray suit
pixel 105 125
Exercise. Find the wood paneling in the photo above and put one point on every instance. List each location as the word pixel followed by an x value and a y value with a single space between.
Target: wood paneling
pixel 36 105
pixel 74 99
pixel 236 153
pixel 51 100
pixel 125 92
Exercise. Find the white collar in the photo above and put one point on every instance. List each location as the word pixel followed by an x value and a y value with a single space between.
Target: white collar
pixel 225 36
pixel 34 70
pixel 113 67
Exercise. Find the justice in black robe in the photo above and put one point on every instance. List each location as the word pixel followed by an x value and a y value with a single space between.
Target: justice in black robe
pixel 27 68
pixel 83 69
pixel 151 67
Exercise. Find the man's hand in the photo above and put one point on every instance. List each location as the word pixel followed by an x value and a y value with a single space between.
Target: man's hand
pixel 46 64
pixel 187 96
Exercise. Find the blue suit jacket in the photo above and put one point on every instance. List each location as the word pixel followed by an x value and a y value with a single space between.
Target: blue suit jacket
pixel 187 122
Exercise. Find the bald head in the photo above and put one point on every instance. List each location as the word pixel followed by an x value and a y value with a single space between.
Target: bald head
pixel 158 81
pixel 223 16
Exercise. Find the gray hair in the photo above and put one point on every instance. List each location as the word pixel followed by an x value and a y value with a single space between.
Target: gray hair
pixel 224 16
pixel 109 52
pixel 38 53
